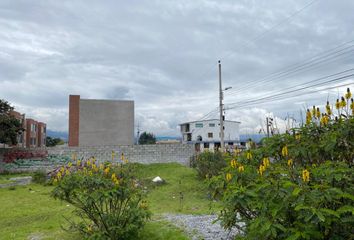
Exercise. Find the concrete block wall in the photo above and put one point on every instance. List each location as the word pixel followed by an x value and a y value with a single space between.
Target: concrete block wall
pixel 159 153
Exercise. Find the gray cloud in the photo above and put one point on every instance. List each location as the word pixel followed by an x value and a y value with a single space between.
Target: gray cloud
pixel 163 55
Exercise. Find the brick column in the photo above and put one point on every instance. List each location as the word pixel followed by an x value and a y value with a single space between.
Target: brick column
pixel 74 120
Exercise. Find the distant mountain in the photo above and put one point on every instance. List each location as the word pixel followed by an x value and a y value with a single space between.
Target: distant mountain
pixel 57 134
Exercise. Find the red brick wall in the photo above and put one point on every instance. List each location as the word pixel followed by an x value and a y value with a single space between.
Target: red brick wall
pixel 31 133
pixel 41 134
pixel 74 121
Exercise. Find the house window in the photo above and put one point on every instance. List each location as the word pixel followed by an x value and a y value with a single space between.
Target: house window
pixel 211 124
pixel 206 145
pixel 210 135
pixel 199 125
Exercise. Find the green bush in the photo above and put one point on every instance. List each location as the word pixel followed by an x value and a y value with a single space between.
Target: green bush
pixel 208 164
pixel 296 186
pixel 39 177
pixel 107 198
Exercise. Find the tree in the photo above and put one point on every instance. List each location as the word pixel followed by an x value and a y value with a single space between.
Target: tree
pixel 52 142
pixel 10 127
pixel 147 138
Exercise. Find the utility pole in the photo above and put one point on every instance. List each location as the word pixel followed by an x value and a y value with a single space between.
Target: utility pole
pixel 137 135
pixel 267 128
pixel 221 106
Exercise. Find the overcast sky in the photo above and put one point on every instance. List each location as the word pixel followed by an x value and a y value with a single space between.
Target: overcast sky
pixel 163 55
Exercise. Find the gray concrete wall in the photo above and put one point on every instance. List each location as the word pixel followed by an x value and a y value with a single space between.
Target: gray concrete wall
pixel 106 122
pixel 159 153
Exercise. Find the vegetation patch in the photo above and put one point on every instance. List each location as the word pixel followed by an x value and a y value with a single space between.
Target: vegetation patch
pixel 298 185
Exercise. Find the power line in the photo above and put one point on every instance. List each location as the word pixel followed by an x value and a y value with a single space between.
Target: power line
pixel 312 82
pixel 296 69
pixel 284 95
pixel 293 91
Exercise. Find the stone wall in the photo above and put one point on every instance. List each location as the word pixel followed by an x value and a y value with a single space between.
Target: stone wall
pixel 159 153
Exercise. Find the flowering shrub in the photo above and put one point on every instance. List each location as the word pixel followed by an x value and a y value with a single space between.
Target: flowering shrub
pixel 299 185
pixel 208 164
pixel 108 199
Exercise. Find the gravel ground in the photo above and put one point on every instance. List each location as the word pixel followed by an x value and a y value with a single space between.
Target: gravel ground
pixel 201 227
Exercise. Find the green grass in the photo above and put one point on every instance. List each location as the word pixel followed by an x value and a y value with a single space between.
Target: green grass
pixel 30 210
pixel 179 179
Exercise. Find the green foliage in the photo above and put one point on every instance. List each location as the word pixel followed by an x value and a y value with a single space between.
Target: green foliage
pixel 52 142
pixel 147 138
pixel 296 186
pixel 10 127
pixel 30 212
pixel 39 177
pixel 108 201
pixel 208 164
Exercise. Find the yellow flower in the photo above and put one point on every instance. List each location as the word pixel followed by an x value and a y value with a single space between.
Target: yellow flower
pixel 324 120
pixel 67 172
pixel 266 162
pixel 249 155
pixel 261 169
pixel 352 105
pixel 113 176
pixel 78 163
pixel 328 109
pixel 343 103
pixel 70 164
pixel 241 168
pixel 101 166
pixel 318 113
pixel 94 168
pixel 74 156
pixel 106 171
pixel 122 157
pixel 297 136
pixel 284 151
pixel 305 175
pixel 314 112
pixel 308 116
pixel 290 162
pixel 337 104
pixel 348 94
pixel 59 175
pixel 55 180
pixel 88 163
pixel 228 176
pixel 143 205
pixel 62 169
pixel 237 151
pixel 233 163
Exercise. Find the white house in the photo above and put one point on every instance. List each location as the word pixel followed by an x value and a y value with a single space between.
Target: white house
pixel 205 134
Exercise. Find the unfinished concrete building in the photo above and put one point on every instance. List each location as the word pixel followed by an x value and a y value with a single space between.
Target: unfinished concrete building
pixel 95 122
